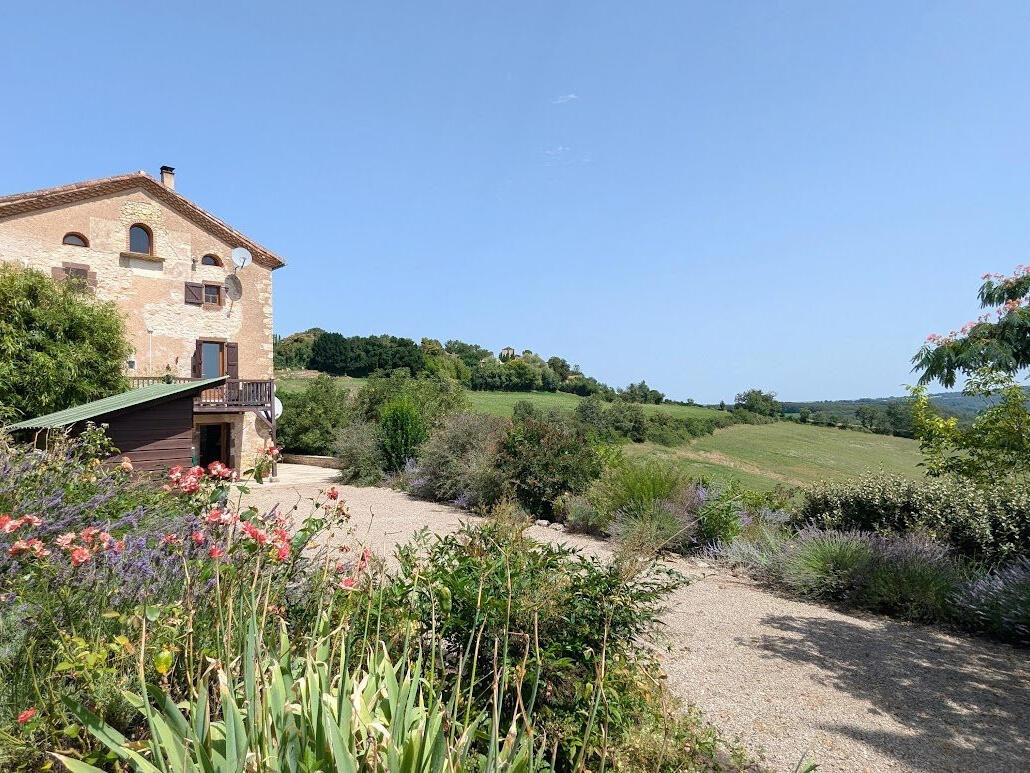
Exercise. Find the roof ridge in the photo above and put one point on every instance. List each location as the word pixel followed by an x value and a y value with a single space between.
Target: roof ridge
pixel 71 186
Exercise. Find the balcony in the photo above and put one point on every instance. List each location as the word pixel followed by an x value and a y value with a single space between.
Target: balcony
pixel 234 396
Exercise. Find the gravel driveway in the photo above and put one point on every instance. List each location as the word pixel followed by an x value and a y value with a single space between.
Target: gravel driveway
pixel 862 693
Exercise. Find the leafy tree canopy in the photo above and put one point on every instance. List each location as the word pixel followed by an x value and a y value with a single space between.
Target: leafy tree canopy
pixel 757 401
pixel 989 351
pixel 999 340
pixel 470 354
pixel 59 346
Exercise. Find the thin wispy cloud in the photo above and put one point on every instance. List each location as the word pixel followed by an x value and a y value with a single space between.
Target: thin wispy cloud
pixel 564 98
pixel 563 155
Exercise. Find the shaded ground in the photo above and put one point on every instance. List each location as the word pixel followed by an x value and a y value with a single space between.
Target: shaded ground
pixel 863 693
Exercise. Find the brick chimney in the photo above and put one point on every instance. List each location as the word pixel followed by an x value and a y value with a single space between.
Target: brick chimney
pixel 168 177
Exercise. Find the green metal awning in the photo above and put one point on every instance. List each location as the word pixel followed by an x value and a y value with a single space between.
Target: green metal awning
pixel 118 402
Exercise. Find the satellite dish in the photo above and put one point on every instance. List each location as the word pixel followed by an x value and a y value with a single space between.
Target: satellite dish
pixel 241 257
pixel 233 287
pixel 277 409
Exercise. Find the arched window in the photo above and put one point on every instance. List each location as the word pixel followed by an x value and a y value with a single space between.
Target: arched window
pixel 211 260
pixel 75 240
pixel 140 240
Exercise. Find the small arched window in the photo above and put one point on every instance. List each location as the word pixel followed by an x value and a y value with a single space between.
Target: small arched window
pixel 211 260
pixel 140 240
pixel 75 240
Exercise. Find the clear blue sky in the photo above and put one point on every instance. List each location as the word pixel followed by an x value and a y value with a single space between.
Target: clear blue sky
pixel 710 196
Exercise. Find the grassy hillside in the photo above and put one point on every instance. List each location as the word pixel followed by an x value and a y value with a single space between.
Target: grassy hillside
pixel 758 456
pixel 767 455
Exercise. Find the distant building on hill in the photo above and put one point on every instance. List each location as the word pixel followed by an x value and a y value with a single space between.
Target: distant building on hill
pixel 507 353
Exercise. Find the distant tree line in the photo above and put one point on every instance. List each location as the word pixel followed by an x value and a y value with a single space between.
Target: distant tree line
pixel 470 364
pixel 887 417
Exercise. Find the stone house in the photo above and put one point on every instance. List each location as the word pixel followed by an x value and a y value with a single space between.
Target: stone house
pixel 167 264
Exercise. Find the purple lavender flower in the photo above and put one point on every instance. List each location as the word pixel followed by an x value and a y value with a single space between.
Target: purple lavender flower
pixel 999 601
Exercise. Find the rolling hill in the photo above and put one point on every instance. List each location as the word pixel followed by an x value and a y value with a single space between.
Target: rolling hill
pixel 758 456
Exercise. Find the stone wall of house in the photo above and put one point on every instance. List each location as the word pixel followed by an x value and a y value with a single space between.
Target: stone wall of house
pixel 161 326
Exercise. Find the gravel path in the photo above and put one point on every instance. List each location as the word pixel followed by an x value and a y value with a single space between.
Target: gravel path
pixel 862 693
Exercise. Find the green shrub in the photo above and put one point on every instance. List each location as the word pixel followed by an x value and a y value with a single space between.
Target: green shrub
pixel 523 409
pixel 628 420
pixel 579 516
pixel 494 596
pixel 312 420
pixel 457 462
pixel 541 459
pixel 360 453
pixel 824 564
pixel 987 523
pixel 402 432
pixel 433 396
pixel 719 520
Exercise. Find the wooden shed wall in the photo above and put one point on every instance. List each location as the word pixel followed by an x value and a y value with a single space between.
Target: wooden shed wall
pixel 154 437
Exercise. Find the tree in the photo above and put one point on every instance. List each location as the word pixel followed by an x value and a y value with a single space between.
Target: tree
pixel 59 345
pixel 757 401
pixel 561 368
pixel 988 353
pixel 294 351
pixel 330 354
pixel 470 354
pixel 899 416
pixel 521 377
pixel 1002 345
pixel 361 356
pixel 869 416
pixel 996 444
pixel 804 415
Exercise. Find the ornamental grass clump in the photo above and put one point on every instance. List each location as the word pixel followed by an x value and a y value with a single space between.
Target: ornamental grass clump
pixel 823 564
pixel 762 537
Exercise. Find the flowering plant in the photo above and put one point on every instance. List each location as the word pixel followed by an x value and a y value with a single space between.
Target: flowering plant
pixel 91 556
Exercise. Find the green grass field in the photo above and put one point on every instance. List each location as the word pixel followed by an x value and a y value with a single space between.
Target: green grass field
pixel 766 455
pixel 760 456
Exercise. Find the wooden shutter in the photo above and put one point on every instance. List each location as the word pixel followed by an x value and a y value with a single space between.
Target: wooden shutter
pixel 197 363
pixel 232 360
pixel 194 293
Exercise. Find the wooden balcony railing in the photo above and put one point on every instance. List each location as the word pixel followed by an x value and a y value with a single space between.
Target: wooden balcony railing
pixel 232 396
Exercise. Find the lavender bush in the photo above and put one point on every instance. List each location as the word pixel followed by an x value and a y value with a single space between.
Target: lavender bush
pixel 910 577
pixel 456 464
pixel 998 603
